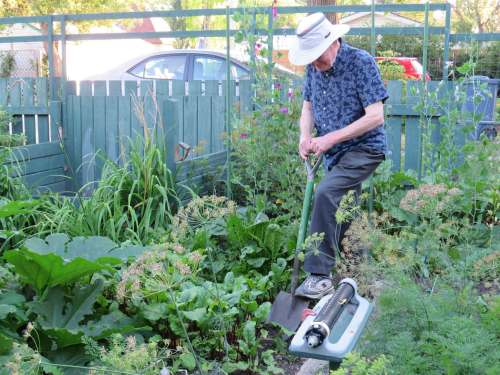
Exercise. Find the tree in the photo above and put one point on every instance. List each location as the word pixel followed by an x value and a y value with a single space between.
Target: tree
pixel 476 15
pixel 44 7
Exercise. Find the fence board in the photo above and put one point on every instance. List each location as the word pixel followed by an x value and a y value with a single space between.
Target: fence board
pixel 99 107
pixel 218 123
pixel 85 88
pixel 130 88
pixel 178 87
pixel 41 92
pixel 212 88
pixel 78 142
pixel 191 121
pixel 14 91
pixel 162 86
pixel 100 88
pixel 412 144
pixel 3 92
pixel 245 98
pixel 70 88
pixel 194 88
pixel 112 127
pixel 393 124
pixel 88 147
pixel 124 123
pixel 205 124
pixel 115 88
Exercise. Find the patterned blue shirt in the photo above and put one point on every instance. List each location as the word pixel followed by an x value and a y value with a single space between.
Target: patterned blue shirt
pixel 339 97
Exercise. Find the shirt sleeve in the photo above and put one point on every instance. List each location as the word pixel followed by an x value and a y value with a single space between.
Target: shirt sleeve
pixel 370 87
pixel 307 85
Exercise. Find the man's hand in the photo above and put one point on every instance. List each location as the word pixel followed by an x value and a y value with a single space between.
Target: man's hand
pixel 320 145
pixel 305 147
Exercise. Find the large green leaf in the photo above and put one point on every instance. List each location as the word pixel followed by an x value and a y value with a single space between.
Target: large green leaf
pixel 61 320
pixel 114 322
pixel 48 270
pixel 91 248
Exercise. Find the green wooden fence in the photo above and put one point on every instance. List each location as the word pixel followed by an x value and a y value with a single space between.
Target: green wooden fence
pixel 100 119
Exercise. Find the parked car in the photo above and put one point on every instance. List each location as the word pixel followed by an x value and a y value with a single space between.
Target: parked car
pixel 413 69
pixel 183 64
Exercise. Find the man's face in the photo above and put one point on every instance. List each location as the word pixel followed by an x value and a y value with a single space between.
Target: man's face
pixel 325 61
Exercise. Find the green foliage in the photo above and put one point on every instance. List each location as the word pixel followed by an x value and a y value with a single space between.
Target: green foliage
pixel 437 332
pixel 7 64
pixel 131 202
pixel 131 354
pixel 48 270
pixel 355 364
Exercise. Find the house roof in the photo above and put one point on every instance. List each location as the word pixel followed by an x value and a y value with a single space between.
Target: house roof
pixel 390 17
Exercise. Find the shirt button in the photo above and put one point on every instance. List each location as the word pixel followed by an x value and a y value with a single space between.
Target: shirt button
pixel 324 92
pixel 324 108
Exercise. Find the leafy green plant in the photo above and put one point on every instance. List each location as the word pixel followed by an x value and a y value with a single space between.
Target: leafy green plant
pixel 58 261
pixel 355 364
pixel 7 65
pixel 135 201
pixel 440 331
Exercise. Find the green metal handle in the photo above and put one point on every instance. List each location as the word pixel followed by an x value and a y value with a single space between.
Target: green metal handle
pixel 304 218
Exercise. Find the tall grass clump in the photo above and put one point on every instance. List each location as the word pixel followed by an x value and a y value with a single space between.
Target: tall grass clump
pixel 133 202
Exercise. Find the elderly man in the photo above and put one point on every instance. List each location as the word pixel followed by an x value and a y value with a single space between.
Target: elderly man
pixel 343 102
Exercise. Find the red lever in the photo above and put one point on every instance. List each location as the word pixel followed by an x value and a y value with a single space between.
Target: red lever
pixel 306 313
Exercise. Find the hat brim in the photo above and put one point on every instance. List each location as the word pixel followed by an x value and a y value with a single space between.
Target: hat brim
pixel 299 56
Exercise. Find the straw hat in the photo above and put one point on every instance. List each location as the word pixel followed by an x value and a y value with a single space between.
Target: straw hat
pixel 313 37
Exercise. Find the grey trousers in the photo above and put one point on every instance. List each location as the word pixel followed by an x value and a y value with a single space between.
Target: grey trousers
pixel 348 174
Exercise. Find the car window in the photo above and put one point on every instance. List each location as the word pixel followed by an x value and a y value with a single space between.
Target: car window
pixel 208 68
pixel 239 72
pixel 214 68
pixel 161 67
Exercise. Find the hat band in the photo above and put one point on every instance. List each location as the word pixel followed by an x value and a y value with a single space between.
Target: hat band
pixel 311 26
pixel 312 40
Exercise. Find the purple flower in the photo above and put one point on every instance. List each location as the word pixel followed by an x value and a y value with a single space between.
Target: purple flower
pixel 284 110
pixel 275 9
pixel 277 86
pixel 290 94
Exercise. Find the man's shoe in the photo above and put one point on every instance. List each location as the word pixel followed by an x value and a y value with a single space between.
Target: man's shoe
pixel 315 287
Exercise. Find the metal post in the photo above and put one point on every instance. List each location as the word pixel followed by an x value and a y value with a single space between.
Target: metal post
pixel 228 106
pixel 253 71
pixel 447 27
pixel 372 42
pixel 270 45
pixel 63 52
pixel 372 34
pixel 426 40
pixel 50 51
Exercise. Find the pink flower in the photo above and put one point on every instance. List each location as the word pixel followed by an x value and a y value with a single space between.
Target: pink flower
pixel 243 135
pixel 275 8
pixel 284 110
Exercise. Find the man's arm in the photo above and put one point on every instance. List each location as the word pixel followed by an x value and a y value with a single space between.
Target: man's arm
pixel 373 117
pixel 306 127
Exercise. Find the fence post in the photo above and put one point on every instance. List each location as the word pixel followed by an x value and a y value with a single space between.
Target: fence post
pixel 228 108
pixel 169 117
pixel 446 51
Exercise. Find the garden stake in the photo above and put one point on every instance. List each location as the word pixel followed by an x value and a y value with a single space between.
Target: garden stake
pixel 287 308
